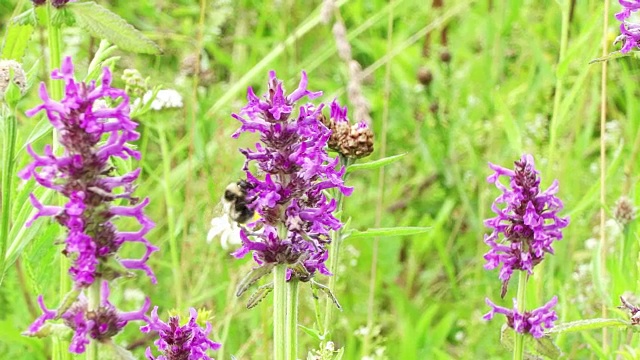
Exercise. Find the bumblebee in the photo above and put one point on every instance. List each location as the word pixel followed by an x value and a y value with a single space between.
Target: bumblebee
pixel 235 202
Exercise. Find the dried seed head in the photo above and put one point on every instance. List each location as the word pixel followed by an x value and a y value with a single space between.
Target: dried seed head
pixel 425 77
pixel 445 57
pixel 624 211
pixel 434 107
pixel 19 77
pixel 353 141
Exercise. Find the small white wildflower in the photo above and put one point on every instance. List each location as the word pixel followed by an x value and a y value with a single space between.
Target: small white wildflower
pixel 459 336
pixel 165 99
pixel 591 243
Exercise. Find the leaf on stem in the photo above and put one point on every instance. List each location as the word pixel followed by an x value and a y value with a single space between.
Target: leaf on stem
pixel 104 24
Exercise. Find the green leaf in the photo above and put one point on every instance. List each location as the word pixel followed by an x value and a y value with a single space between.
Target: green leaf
pixel 259 295
pixel 253 276
pixel 590 324
pixel 610 56
pixel 386 232
pixel 16 41
pixel 546 347
pixel 42 128
pixel 312 332
pixel 104 24
pixel 371 165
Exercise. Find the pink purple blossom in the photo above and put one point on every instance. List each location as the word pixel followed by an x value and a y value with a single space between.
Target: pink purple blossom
pixel 98 324
pixel 176 342
pixel 530 322
pixel 526 222
pixel 629 32
pixel 297 169
pixel 91 133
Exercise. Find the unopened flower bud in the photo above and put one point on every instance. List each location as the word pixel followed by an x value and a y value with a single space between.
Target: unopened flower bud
pixel 445 57
pixel 135 84
pixel 59 3
pixel 425 76
pixel 7 67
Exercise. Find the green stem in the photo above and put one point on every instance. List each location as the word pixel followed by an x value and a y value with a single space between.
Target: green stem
pixel 334 255
pixel 8 167
pixel 56 88
pixel 292 320
pixel 558 96
pixel 279 311
pixel 518 349
pixel 93 305
pixel 168 195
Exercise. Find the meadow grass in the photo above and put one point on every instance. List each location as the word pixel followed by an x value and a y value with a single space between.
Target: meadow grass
pixel 493 101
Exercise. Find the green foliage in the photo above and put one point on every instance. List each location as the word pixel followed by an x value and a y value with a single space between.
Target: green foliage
pixel 104 24
pixel 491 102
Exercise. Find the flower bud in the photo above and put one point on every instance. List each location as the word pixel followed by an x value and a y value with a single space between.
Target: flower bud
pixel 425 77
pixel 11 73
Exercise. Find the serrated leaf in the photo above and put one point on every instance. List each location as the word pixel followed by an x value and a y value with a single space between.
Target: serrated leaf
pixel 610 56
pixel 385 232
pixel 371 165
pixel 546 347
pixel 312 332
pixel 111 351
pixel 104 24
pixel 259 295
pixel 26 18
pixel 506 337
pixel 590 324
pixel 317 286
pixel 21 235
pixel 16 41
pixel 253 276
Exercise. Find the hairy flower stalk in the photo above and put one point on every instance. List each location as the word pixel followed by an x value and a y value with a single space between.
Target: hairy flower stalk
pixel 296 217
pixel 177 342
pixel 91 133
pixel 629 32
pixel 527 221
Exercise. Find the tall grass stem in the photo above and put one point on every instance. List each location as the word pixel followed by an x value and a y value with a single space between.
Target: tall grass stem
pixel 8 167
pixel 170 204
pixel 380 196
pixel 603 187
pixel 334 254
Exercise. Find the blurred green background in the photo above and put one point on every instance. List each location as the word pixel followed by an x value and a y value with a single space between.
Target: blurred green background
pixel 494 68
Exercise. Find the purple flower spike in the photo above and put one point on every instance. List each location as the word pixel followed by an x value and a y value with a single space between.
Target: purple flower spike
pixel 93 124
pixel 628 6
pixel 47 314
pixel 189 341
pixel 526 220
pixel 97 324
pixel 530 322
pixel 297 169
pixel 630 32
